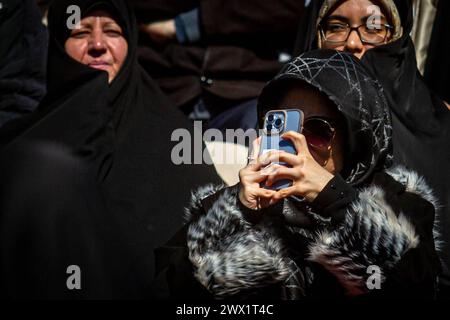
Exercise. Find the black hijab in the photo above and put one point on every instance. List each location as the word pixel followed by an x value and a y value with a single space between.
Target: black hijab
pixel 437 68
pixel 107 149
pixel 420 120
pixel 23 50
pixel 359 98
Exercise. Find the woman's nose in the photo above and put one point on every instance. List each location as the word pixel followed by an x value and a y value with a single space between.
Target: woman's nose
pixel 354 44
pixel 97 43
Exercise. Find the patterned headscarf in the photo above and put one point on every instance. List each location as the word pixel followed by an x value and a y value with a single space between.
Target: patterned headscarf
pixel 388 5
pixel 360 99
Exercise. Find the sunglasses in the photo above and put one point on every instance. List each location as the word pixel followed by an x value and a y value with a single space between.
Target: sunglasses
pixel 319 133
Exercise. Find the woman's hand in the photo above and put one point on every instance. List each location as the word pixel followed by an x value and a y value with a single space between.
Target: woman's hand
pixel 251 194
pixel 309 178
pixel 160 32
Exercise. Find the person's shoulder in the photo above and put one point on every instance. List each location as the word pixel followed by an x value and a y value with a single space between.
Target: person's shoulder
pixel 408 193
pixel 202 199
pixel 412 183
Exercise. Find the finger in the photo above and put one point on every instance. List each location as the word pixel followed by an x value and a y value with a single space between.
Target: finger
pixel 284 193
pixel 281 174
pixel 269 157
pixel 265 198
pixel 256 147
pixel 298 140
pixel 271 180
pixel 264 193
pixel 251 168
pixel 256 177
pixel 270 169
pixel 285 157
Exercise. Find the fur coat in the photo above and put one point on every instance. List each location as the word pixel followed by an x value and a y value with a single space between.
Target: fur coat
pixel 378 242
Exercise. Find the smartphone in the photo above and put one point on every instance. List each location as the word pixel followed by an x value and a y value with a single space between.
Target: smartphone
pixel 276 123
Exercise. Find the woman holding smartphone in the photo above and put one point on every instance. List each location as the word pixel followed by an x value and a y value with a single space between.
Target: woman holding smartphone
pixel 349 225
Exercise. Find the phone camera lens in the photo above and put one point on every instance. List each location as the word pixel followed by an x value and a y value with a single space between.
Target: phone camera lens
pixel 269 127
pixel 278 123
pixel 270 118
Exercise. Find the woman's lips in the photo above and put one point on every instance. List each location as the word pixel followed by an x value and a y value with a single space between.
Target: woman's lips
pixel 100 65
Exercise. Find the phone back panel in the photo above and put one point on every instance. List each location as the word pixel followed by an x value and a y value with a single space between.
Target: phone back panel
pixel 292 120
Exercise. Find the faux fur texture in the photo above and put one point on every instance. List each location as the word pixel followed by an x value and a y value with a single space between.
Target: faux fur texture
pixel 372 235
pixel 416 184
pixel 194 209
pixel 232 257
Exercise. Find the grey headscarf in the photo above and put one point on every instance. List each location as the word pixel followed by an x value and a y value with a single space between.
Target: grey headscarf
pixel 360 98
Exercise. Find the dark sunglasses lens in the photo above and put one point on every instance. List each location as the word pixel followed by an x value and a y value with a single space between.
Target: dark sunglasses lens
pixel 318 133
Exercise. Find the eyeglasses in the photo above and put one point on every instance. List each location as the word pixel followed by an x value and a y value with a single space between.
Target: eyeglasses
pixel 319 133
pixel 338 32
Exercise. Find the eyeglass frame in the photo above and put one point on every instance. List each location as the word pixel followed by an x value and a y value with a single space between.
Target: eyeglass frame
pixel 329 123
pixel 350 29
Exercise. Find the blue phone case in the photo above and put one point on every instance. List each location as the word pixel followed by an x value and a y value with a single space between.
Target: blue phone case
pixel 292 120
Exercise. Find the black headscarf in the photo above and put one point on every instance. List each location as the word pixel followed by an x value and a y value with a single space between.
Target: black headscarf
pixel 23 51
pixel 437 68
pixel 359 98
pixel 112 193
pixel 420 120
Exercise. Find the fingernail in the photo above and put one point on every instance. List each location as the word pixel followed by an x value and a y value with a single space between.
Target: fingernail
pixel 266 161
pixel 268 170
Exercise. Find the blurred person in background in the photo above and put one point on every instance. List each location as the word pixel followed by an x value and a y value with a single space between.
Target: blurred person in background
pixel 213 57
pixel 437 65
pixel 23 53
